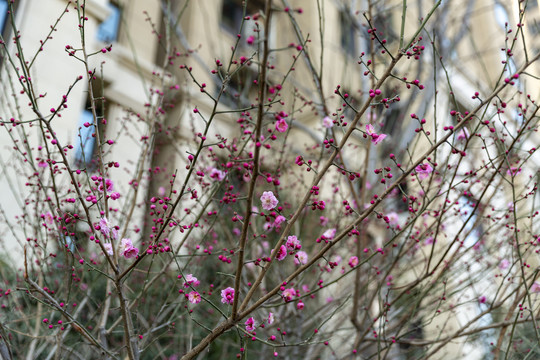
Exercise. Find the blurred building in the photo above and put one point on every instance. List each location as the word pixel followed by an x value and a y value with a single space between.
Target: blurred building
pixel 134 43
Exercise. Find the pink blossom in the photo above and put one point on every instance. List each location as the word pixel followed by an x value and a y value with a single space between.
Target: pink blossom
pixel 270 318
pixel 194 297
pixel 329 234
pixel 327 122
pixel 482 299
pixel 282 253
pixel 513 171
pixel 281 125
pixel 191 280
pixel 227 296
pixel 429 241
pixel 463 134
pixel 108 248
pixel 300 305
pixel 288 294
pixel 279 219
pixel 250 40
pixel 293 243
pixel 301 257
pixel 393 218
pixel 128 250
pixel 269 201
pixel 353 261
pixel 323 221
pixel 250 324
pixel 115 196
pixel 504 264
pixel 535 287
pixel 104 226
pixel 48 217
pixel 108 184
pixel 423 170
pixel 377 138
pixel 161 191
pixel 217 174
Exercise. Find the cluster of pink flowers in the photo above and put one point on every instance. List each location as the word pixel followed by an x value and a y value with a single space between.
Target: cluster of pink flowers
pixel 375 138
pixel 269 200
pixel 301 258
pixel 293 243
pixel 281 125
pixel 128 250
pixel 227 296
pixel 217 174
pixel 191 281
pixel 423 170
pixel 194 297
pixel 288 294
pixel 282 253
pixel 353 261
pixel 463 135
pixel 250 324
pixel 327 122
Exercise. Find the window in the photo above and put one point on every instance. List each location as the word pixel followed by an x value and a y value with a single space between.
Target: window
pixel 232 12
pixel 85 138
pixel 108 29
pixel 3 15
pixel 348 31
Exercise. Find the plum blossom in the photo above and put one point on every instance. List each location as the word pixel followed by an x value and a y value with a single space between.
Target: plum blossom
pixel 482 299
pixel 281 125
pixel 194 297
pixel 463 135
pixel 301 257
pixel 227 296
pixel 217 174
pixel 353 261
pixel 108 248
pixel 191 280
pixel 48 217
pixel 393 218
pixel 282 253
pixel 104 226
pixel 279 219
pixel 513 171
pixel 300 305
pixel 329 234
pixel 269 200
pixel 535 287
pixel 327 122
pixel 250 324
pixel 288 294
pixel 108 183
pixel 375 138
pixel 293 243
pixel 250 40
pixel 128 250
pixel 423 170
pixel 504 264
pixel 270 319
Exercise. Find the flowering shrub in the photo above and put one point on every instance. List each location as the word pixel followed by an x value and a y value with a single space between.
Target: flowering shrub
pixel 276 199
